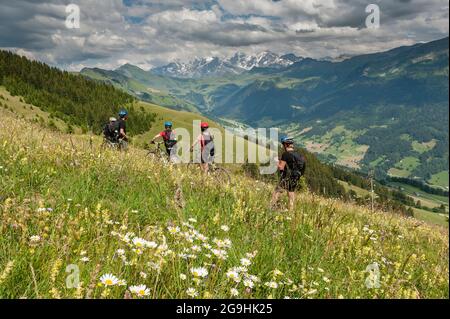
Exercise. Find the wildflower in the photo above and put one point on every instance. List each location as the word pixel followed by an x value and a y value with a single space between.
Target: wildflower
pixel 199 272
pixel 173 230
pixel 151 244
pixel 85 259
pixel 191 292
pixel 140 291
pixel 234 292
pixel 248 283
pixel 183 277
pixel 326 279
pixel 120 252
pixel 196 248
pixel 139 242
pixel 83 253
pixel 143 275
pixel 251 255
pixel 277 273
pixel 245 262
pixel 109 280
pixel 272 284
pixel 35 239
pixel 207 246
pixel 202 237
pixel 225 228
pixel 220 253
pixel 320 270
pixel 122 282
pixel 233 275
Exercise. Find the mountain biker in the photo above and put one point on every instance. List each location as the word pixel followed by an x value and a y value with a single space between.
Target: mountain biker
pixel 292 166
pixel 122 125
pixel 206 141
pixel 111 130
pixel 169 137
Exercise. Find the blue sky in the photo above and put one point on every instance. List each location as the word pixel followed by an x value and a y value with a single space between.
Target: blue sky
pixel 150 33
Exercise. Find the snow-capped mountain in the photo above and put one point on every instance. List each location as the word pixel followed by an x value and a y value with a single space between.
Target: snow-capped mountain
pixel 213 66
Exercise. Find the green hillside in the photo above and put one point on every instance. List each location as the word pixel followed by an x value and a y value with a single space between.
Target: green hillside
pixel 64 203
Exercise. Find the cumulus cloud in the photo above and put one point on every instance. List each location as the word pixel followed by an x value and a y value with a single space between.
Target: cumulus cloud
pixel 153 32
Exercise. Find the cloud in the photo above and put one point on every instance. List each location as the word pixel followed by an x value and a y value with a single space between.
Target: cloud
pixel 153 32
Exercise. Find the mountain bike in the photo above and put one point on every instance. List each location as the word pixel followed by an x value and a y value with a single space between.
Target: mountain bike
pixel 220 174
pixel 119 145
pixel 158 153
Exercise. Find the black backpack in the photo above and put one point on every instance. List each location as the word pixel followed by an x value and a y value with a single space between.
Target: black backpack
pixel 111 130
pixel 299 166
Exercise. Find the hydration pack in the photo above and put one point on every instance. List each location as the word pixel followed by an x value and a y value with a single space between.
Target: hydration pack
pixel 299 165
pixel 111 130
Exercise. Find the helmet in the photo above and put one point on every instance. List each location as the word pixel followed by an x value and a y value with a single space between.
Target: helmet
pixel 287 140
pixel 168 124
pixel 123 113
pixel 204 125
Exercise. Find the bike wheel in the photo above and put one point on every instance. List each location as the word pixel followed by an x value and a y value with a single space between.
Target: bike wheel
pixel 221 175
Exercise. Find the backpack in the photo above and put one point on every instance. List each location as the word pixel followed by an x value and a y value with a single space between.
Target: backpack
pixel 111 130
pixel 299 166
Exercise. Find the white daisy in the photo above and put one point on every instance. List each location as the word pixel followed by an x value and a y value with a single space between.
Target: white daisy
pixel 225 228
pixel 191 292
pixel 85 259
pixel 183 277
pixel 151 244
pixel 140 290
pixel 245 262
pixel 35 239
pixel 234 292
pixel 173 230
pixel 139 242
pixel 272 284
pixel 233 275
pixel 109 280
pixel 199 272
pixel 248 283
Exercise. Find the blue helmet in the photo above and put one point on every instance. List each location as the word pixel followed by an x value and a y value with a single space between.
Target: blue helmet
pixel 287 140
pixel 123 113
pixel 168 124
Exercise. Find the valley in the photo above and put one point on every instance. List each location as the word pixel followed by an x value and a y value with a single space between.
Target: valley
pixel 382 111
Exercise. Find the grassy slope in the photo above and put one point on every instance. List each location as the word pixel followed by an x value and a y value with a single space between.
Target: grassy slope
pixel 322 248
pixel 427 200
pixel 182 119
pixel 28 111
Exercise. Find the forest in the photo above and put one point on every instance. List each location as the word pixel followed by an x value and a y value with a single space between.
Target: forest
pixel 72 98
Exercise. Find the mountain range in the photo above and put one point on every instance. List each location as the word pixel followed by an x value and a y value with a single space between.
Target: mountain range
pixel 386 111
pixel 214 66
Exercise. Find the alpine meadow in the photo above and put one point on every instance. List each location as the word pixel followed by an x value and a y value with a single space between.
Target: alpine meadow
pixel 238 152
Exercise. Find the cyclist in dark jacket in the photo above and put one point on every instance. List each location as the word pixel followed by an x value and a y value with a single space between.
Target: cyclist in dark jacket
pixel 292 166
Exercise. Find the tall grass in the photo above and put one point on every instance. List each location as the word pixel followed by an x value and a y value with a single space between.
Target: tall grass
pixel 64 202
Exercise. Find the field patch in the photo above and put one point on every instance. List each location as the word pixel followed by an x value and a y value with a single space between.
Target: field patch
pixel 339 142
pixel 423 147
pixel 440 179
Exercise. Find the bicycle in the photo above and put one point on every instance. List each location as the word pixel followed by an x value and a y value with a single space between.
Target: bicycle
pixel 119 145
pixel 158 153
pixel 220 174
